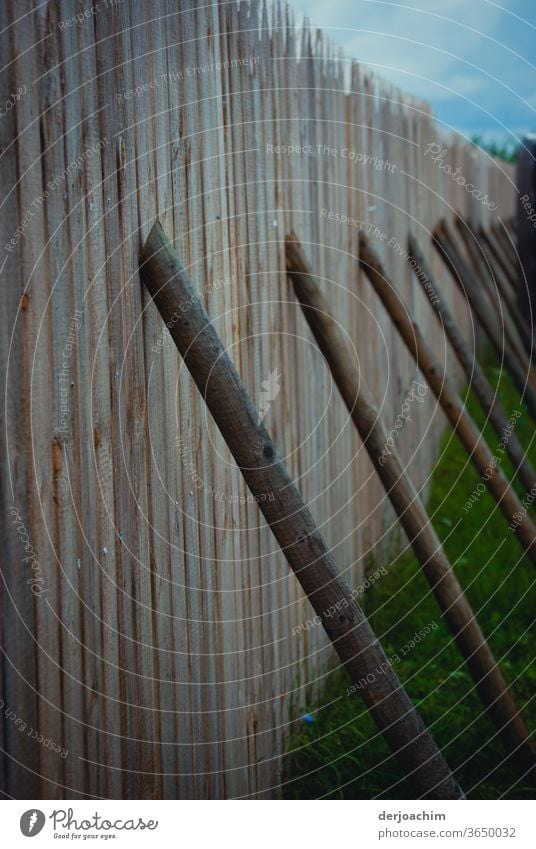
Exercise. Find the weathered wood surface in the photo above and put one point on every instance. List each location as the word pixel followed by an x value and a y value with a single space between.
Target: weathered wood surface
pixel 160 657
pixel 340 356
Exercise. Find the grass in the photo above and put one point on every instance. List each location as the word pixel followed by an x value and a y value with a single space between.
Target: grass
pixel 339 754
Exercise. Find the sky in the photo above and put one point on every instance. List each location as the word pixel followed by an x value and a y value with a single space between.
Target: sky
pixel 473 60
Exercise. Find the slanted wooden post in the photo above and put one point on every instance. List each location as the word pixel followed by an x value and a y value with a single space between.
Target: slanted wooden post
pixel 483 262
pixel 290 521
pixel 506 281
pixel 495 299
pixel 413 517
pixel 502 234
pixel 480 263
pixel 484 265
pixel 501 258
pixel 452 405
pixel 507 239
pixel 475 374
pixel 465 279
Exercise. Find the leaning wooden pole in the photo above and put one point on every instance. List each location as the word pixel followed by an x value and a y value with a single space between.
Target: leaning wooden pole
pixel 450 597
pixel 290 521
pixel 452 405
pixel 506 233
pixel 474 372
pixel 518 328
pixel 491 279
pixel 496 303
pixel 468 284
pixel 507 239
pixel 497 252
pixel 496 288
pixel 503 235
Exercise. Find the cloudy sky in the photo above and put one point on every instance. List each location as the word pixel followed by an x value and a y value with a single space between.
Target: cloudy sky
pixel 473 60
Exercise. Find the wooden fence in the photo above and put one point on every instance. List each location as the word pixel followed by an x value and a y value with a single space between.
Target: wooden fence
pixel 151 628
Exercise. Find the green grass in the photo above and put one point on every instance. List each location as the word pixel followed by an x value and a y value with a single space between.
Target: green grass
pixel 341 755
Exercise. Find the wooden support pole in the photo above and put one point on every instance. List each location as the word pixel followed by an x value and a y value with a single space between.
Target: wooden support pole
pixel 477 258
pixel 508 240
pixel 479 262
pixel 504 235
pixel 475 374
pixel 495 288
pixel 445 392
pixel 502 259
pixel 505 282
pixel 290 521
pixel 449 595
pixel 465 279
pixel 484 265
pixel 503 302
pixel 507 237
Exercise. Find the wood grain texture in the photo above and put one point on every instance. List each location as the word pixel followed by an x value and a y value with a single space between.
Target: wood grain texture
pixel 161 660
